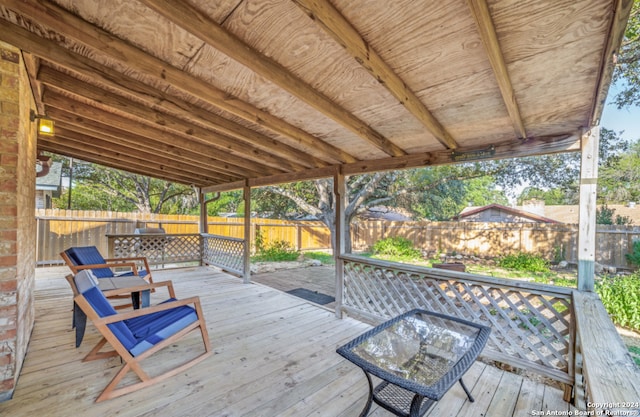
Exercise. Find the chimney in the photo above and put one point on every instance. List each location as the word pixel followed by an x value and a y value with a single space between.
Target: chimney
pixel 534 206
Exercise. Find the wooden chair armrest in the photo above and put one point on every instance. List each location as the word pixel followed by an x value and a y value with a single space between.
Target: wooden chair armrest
pixel 133 258
pixel 138 288
pixel 112 265
pixel 142 259
pixel 150 310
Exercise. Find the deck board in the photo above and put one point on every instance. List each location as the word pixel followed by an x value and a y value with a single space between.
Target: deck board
pixel 274 355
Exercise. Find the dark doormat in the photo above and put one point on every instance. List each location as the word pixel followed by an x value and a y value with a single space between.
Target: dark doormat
pixel 313 296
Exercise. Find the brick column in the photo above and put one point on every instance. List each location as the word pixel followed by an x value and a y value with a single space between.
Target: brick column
pixel 17 217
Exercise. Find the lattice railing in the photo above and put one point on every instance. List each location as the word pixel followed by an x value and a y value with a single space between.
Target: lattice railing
pixel 531 324
pixel 162 250
pixel 224 252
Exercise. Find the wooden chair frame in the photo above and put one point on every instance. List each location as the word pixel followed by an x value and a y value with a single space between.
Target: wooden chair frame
pixel 129 262
pixel 130 362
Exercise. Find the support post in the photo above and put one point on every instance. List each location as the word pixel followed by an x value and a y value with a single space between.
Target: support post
pixel 203 227
pixel 247 232
pixel 340 197
pixel 587 214
pixel 204 216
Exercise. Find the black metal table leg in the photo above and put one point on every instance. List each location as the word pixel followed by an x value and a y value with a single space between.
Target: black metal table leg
pixel 464 387
pixel 367 407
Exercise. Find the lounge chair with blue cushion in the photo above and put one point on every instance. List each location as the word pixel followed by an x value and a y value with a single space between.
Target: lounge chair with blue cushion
pixel 136 335
pixel 89 257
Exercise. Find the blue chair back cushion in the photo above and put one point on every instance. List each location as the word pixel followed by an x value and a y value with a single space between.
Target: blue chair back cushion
pixel 89 255
pixel 139 333
pixel 103 308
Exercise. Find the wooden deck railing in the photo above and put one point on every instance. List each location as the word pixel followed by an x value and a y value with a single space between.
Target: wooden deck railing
pixel 532 323
pixel 611 380
pixel 223 252
pixel 180 249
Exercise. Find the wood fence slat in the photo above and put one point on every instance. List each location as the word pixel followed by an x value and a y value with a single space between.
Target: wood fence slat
pixel 60 229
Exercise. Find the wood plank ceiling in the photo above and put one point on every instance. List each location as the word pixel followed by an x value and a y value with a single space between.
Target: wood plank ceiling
pixel 212 93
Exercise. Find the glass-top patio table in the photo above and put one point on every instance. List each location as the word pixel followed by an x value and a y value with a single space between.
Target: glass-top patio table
pixel 418 355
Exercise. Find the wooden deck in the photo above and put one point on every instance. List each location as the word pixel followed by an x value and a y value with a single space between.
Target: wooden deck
pixel 274 356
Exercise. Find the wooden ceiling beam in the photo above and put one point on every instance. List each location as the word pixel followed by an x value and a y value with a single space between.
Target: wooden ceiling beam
pixel 336 25
pixel 80 123
pixel 73 134
pixel 73 27
pixel 93 146
pixel 234 163
pixel 116 160
pixel 192 162
pixel 32 64
pixel 247 137
pixel 487 31
pixel 200 25
pixel 147 115
pixel 569 142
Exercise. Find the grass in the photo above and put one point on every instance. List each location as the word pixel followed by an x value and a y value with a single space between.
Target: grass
pixel 635 354
pixel 325 258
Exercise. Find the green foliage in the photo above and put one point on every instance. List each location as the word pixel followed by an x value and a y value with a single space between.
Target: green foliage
pixel 398 247
pixel 635 354
pixel 619 181
pixel 524 262
pixel 96 187
pixel 552 197
pixel 276 251
pixel 558 253
pixel 605 215
pixel 634 256
pixel 627 72
pixel 229 202
pixel 621 298
pixel 325 258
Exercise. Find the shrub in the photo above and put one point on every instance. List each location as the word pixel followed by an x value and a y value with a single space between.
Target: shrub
pixel 634 256
pixel 621 298
pixel 276 251
pixel 397 247
pixel 524 262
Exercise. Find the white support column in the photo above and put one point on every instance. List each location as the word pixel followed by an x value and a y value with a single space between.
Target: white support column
pixel 247 232
pixel 340 197
pixel 587 217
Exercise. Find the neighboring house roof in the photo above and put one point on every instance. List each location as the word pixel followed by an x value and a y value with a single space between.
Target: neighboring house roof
pixel 384 213
pixel 472 211
pixel 558 214
pixel 51 181
pixel 570 214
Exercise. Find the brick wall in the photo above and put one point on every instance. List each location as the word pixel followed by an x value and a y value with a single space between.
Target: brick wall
pixel 17 220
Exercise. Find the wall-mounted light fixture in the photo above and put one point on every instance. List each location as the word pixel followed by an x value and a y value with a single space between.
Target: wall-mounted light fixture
pixel 45 125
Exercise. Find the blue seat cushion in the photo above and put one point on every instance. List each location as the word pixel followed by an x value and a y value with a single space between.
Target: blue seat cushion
pixel 154 328
pixel 139 333
pixel 89 255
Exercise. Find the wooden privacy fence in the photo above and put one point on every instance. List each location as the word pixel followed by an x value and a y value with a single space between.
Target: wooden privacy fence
pixel 60 229
pixel 552 241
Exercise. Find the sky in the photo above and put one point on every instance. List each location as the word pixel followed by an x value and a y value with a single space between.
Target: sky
pixel 627 119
